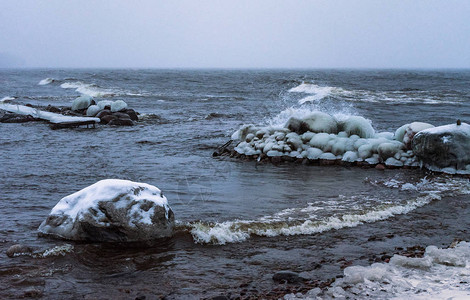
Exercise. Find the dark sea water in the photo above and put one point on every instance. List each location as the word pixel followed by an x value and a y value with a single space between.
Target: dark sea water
pixel 239 222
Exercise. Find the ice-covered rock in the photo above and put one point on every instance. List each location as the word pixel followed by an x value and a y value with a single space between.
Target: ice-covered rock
pixel 111 210
pixel 82 102
pixel 400 133
pixel 93 110
pixel 244 130
pixel 103 103
pixel 314 153
pixel 350 156
pixel 389 149
pixel 314 122
pixel 411 130
pixel 359 126
pixel 443 146
pixel 118 105
pixel 393 162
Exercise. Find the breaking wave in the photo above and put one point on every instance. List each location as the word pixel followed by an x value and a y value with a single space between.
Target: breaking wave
pixel 287 222
pixel 96 91
pixel 316 93
pixel 88 89
pixel 6 99
pixel 46 81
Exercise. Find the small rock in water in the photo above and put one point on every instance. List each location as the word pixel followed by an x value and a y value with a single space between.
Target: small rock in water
pixel 380 167
pixel 288 276
pixel 18 249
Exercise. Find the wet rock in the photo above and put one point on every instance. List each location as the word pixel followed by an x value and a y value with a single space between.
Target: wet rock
pixel 220 298
pixel 18 250
pixel 53 109
pixel 443 146
pixel 132 114
pixel 380 167
pixel 121 115
pixel 33 293
pixel 288 276
pixel 111 210
pixel 16 118
pixel 107 118
pixel 102 113
pixel 121 122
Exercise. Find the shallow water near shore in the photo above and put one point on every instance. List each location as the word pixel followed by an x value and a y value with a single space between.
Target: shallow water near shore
pixel 239 222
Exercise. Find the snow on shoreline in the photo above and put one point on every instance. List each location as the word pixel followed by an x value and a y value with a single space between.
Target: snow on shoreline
pixel 439 274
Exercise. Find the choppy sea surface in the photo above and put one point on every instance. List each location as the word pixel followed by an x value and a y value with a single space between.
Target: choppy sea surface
pixel 239 222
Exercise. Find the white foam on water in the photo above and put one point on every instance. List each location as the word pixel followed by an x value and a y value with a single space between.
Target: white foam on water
pixel 241 230
pixel 46 81
pixel 56 251
pixel 440 274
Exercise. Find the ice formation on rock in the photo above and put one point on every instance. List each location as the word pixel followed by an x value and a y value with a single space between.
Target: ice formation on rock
pixel 320 137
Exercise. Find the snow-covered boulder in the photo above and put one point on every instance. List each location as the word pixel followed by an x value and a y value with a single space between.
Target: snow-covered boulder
pixel 82 102
pixel 411 130
pixel 93 110
pixel 118 106
pixel 443 146
pixel 111 210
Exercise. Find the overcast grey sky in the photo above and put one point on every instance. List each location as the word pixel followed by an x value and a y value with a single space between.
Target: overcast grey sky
pixel 235 34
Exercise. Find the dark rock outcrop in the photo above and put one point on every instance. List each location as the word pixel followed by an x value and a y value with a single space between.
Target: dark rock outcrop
pixel 443 146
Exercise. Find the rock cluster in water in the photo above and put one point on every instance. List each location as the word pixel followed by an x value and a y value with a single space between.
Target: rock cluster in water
pixel 109 112
pixel 319 137
pixel 111 210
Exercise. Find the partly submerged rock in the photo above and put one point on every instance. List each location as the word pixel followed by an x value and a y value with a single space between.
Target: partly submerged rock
pixel 443 146
pixel 111 210
pixel 19 250
pixel 288 276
